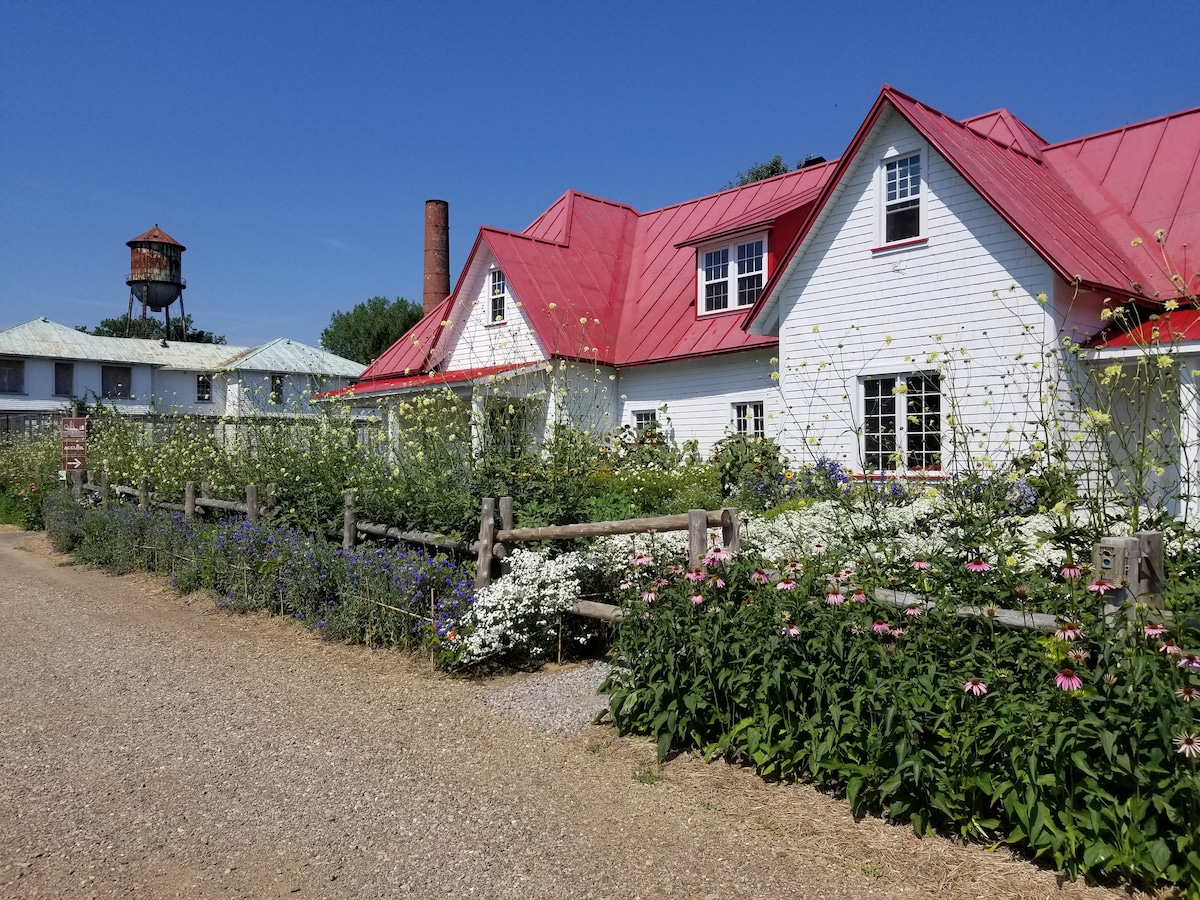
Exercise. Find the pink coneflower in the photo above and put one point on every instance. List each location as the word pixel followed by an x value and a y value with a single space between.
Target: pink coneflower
pixel 649 596
pixel 920 564
pixel 818 549
pixel 623 586
pixel 1110 679
pixel 641 560
pixel 696 575
pixel 697 599
pixel 790 630
pixel 1189 661
pixel 1170 648
pixel 1067 680
pixel 1153 630
pixel 898 633
pixel 1188 694
pixel 794 565
pixel 1068 631
pixel 1100 586
pixel 1078 655
pixel 977 565
pixel 673 569
pixel 717 555
pixel 858 629
pixel 659 582
pixel 844 574
pixel 914 611
pixel 759 576
pixel 881 627
pixel 858 595
pixel 716 581
pixel 785 584
pixel 1070 570
pixel 975 686
pixel 835 598
pixel 1021 590
pixel 1188 744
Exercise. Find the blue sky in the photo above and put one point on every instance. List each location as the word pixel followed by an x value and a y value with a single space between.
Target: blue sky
pixel 291 145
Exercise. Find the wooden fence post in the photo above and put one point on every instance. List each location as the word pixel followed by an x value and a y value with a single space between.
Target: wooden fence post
pixel 104 487
pixel 143 492
pixel 506 524
pixel 349 521
pixel 189 500
pixel 731 529
pixel 252 503
pixel 697 536
pixel 487 537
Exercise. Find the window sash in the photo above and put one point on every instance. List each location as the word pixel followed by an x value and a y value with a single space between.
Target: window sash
pixel 902 192
pixel 204 389
pixel 910 417
pixel 12 376
pixel 738 270
pixel 499 291
pixel 277 390
pixel 749 419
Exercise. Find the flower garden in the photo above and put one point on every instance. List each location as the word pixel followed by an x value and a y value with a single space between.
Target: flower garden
pixel 1079 745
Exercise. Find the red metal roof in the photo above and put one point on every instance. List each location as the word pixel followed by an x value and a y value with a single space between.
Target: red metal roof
pixel 630 276
pixel 155 234
pixel 428 379
pixel 1182 325
pixel 1080 204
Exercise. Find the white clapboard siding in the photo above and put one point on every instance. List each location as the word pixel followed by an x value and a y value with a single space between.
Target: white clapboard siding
pixel 699 394
pixel 965 300
pixel 475 340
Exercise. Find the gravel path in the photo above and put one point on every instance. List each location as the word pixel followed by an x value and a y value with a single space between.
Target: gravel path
pixel 154 748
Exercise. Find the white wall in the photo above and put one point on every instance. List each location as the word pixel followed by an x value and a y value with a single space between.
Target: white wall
pixel 475 340
pixel 965 301
pixel 699 394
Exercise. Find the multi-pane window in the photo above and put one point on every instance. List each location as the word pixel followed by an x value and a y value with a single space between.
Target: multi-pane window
pixel 902 422
pixel 204 388
pixel 116 382
pixel 743 284
pixel 64 379
pixel 12 376
pixel 749 420
pixel 902 207
pixel 277 384
pixel 499 290
pixel 644 420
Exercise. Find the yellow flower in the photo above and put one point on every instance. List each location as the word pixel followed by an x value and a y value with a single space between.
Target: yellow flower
pixel 1171 305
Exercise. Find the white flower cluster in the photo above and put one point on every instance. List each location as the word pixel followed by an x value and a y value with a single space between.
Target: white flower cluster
pixel 518 614
pixel 613 552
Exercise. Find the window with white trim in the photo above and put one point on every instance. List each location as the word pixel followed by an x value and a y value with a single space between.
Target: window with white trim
pixel 749 419
pixel 644 419
pixel 497 294
pixel 278 385
pixel 902 198
pixel 204 388
pixel 902 422
pixel 732 277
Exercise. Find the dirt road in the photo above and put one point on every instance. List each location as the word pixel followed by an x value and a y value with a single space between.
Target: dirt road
pixel 152 747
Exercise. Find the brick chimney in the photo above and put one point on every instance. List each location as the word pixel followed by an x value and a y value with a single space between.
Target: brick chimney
pixel 437 254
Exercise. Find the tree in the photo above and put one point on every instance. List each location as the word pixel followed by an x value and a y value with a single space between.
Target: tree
pixel 771 168
pixel 364 332
pixel 155 329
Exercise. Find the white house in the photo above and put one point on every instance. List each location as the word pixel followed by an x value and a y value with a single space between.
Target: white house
pixel 44 366
pixel 908 307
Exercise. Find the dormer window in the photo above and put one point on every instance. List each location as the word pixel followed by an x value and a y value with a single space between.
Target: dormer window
pixel 902 203
pixel 499 290
pixel 731 277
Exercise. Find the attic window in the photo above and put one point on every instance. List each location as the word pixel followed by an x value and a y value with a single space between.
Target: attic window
pixel 902 203
pixel 499 290
pixel 731 276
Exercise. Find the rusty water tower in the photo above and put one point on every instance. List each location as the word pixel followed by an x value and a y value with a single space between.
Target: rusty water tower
pixel 155 277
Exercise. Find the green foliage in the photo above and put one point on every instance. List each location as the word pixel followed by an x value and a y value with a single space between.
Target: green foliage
pixel 28 473
pixel 363 333
pixel 181 329
pixel 751 470
pixel 769 169
pixel 877 703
